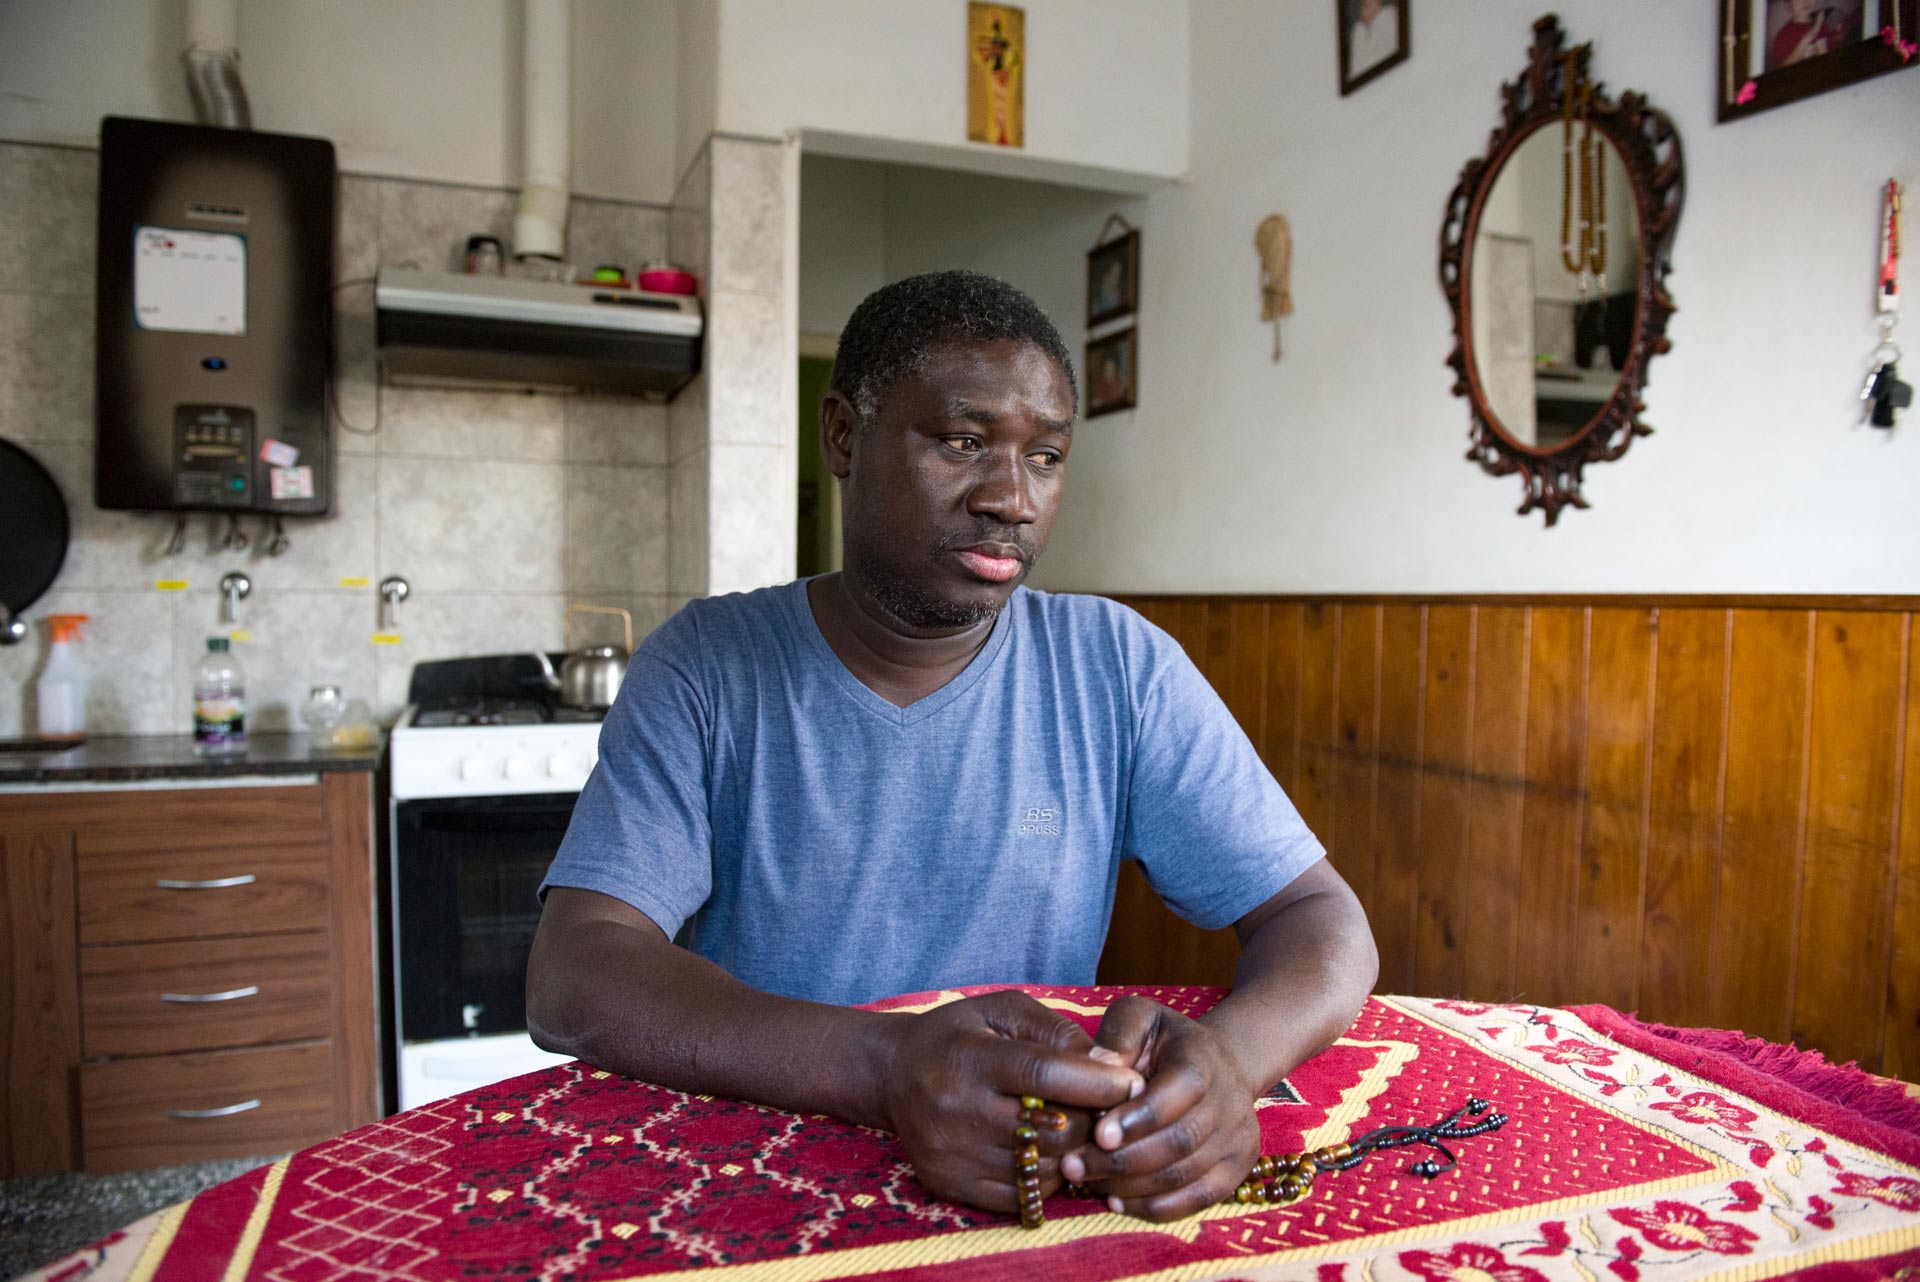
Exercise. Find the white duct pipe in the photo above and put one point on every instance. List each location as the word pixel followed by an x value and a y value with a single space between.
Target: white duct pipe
pixel 212 55
pixel 540 221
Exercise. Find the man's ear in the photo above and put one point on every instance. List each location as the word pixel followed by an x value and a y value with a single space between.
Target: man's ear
pixel 839 422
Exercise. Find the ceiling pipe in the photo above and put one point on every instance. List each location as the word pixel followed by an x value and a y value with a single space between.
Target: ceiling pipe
pixel 212 57
pixel 540 221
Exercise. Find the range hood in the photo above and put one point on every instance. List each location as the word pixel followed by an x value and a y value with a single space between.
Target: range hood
pixel 471 330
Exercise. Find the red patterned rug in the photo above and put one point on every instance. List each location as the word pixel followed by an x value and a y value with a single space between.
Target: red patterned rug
pixel 1631 1155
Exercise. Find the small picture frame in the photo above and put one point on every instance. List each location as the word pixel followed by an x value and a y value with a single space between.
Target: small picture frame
pixel 1113 279
pixel 1773 52
pixel 1113 372
pixel 1375 37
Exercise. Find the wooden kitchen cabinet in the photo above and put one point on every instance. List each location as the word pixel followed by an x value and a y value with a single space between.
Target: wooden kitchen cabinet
pixel 187 973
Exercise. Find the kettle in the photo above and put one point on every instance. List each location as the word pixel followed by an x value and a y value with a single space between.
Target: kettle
pixel 589 677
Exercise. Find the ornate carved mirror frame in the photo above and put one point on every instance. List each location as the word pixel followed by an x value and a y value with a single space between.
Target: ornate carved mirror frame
pixel 1650 150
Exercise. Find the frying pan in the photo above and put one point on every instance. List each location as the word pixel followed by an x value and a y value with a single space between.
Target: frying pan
pixel 33 536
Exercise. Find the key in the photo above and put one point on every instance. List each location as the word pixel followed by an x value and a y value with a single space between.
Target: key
pixel 1873 379
pixel 1890 394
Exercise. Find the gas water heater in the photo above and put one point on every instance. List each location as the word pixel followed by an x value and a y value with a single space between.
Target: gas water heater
pixel 214 321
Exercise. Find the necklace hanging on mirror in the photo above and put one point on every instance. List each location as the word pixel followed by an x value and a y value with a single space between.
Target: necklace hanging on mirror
pixel 1883 391
pixel 1586 257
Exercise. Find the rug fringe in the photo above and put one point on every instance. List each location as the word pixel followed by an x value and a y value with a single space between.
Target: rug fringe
pixel 1877 1102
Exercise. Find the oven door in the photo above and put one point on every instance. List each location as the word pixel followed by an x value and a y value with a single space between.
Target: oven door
pixel 466 875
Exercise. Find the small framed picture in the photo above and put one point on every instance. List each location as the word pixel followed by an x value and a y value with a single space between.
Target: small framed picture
pixel 1374 38
pixel 1112 371
pixel 1113 279
pixel 1773 52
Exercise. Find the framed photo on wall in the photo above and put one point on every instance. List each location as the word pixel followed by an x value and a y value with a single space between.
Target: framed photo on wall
pixel 1773 52
pixel 1375 37
pixel 1113 278
pixel 1112 372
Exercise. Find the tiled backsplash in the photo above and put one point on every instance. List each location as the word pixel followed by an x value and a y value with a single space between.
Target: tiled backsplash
pixel 498 507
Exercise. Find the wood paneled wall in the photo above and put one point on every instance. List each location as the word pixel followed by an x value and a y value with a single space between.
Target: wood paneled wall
pixel 1706 810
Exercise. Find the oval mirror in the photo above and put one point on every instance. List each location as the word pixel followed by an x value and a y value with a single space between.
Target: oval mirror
pixel 1554 257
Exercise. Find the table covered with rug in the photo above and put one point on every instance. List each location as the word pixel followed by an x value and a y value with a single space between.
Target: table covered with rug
pixel 1632 1153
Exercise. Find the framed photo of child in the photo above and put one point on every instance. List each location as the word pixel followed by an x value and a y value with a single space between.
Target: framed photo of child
pixel 1113 279
pixel 1112 372
pixel 1773 52
pixel 1375 37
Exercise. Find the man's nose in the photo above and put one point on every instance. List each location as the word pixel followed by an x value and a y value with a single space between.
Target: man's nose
pixel 1004 490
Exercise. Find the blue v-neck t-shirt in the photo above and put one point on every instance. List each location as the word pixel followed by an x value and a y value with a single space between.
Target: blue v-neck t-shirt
pixel 762 805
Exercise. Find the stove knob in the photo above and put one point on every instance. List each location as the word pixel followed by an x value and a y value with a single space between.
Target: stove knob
pixel 517 768
pixel 559 766
pixel 471 767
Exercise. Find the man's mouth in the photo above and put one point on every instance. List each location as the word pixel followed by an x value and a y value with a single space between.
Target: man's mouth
pixel 994 562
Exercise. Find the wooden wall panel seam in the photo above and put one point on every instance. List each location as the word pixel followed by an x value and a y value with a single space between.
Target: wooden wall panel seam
pixel 1798 899
pixel 1524 747
pixel 1646 796
pixel 1893 845
pixel 1720 808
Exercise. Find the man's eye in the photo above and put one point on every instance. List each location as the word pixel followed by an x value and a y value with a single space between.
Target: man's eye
pixel 965 444
pixel 1047 458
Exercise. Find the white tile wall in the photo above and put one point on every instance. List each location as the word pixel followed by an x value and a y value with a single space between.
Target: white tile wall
pixel 498 507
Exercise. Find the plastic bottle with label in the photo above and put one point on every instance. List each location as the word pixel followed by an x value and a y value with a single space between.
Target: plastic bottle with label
pixel 219 702
pixel 61 691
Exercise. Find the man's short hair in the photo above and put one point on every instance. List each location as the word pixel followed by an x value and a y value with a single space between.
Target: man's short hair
pixel 890 334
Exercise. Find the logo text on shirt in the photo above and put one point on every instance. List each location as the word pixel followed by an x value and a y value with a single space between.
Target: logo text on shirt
pixel 1041 821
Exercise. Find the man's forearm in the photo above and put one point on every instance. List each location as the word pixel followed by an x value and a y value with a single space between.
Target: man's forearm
pixel 1303 974
pixel 660 1013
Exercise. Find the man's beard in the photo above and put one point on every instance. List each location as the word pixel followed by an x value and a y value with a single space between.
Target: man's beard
pixel 905 600
pixel 912 605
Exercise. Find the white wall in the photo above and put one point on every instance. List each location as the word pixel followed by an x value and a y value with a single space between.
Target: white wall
pixel 421 89
pixel 843 234
pixel 1341 469
pixel 1106 83
pixel 863 225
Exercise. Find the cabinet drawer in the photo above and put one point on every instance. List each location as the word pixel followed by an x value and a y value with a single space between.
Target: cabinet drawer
pixel 168 1109
pixel 187 892
pixel 155 999
pixel 193 818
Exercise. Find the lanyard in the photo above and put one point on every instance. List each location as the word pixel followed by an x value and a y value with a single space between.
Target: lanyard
pixel 1888 295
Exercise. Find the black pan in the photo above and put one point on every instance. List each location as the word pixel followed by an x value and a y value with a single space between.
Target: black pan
pixel 33 529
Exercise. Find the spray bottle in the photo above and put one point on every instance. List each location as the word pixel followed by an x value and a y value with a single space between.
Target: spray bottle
pixel 62 687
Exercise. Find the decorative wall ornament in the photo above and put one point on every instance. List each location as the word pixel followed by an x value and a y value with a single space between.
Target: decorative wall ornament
pixel 1274 243
pixel 997 74
pixel 1497 343
pixel 1773 52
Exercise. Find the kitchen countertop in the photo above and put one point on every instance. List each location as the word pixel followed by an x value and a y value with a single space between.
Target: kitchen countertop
pixel 141 758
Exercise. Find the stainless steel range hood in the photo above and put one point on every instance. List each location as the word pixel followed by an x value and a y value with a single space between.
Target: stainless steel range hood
pixel 451 328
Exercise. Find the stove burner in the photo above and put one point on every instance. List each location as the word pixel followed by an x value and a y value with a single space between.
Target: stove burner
pixel 484 712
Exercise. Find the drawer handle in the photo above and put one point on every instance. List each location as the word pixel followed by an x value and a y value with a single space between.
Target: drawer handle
pixel 218 883
pixel 232 994
pixel 244 1106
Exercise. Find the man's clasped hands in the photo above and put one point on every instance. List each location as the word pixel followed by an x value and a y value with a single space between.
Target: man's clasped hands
pixel 1160 1117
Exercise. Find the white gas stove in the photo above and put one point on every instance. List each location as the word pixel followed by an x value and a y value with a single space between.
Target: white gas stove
pixel 482 774
pixel 432 756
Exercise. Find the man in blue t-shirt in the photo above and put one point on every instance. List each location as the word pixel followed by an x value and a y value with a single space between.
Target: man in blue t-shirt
pixel 917 773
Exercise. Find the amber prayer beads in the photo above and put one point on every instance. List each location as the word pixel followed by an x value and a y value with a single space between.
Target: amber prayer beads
pixel 1275 1179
